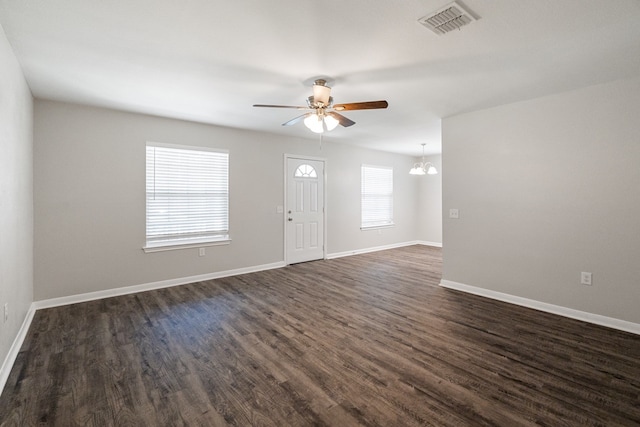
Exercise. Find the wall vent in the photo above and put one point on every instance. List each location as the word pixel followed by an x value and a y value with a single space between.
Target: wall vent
pixel 448 18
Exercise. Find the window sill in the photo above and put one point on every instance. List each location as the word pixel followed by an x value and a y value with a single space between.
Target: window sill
pixel 187 245
pixel 377 227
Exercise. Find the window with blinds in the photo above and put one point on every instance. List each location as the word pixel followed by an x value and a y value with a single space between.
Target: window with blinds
pixel 377 196
pixel 187 195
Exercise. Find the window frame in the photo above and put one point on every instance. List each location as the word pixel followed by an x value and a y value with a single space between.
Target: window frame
pixel 379 224
pixel 192 242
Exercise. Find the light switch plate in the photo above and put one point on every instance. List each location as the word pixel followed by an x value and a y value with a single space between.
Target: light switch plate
pixel 454 213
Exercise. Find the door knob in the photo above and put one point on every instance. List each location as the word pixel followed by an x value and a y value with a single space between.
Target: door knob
pixel 290 219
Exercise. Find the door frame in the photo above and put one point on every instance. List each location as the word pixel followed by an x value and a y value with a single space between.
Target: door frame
pixel 286 202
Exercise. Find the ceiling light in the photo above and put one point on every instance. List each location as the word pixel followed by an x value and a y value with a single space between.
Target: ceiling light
pixel 318 122
pixel 423 168
pixel 314 123
pixel 330 122
pixel 416 171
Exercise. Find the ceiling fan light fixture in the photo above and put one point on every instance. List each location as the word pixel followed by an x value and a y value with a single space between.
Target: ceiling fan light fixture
pixel 314 123
pixel 322 115
pixel 318 123
pixel 330 122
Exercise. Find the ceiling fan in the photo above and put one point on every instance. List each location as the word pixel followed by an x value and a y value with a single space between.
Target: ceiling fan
pixel 323 114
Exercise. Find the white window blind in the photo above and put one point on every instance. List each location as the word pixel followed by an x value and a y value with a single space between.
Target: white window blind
pixel 377 196
pixel 187 195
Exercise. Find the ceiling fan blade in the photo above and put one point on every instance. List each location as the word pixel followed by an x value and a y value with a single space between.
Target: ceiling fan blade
pixel 281 106
pixel 341 119
pixel 369 105
pixel 296 119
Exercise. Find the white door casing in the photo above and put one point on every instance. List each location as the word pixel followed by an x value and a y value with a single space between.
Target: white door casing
pixel 304 215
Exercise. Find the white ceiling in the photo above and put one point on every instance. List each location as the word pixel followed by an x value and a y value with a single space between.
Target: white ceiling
pixel 211 60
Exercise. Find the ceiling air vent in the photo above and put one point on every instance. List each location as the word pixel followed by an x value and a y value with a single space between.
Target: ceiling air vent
pixel 448 18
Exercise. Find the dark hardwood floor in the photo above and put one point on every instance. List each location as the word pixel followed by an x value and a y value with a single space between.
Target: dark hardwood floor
pixel 363 340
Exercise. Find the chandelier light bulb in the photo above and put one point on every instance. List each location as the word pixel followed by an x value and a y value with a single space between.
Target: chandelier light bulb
pixel 423 168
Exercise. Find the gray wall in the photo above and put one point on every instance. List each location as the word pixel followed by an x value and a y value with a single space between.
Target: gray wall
pixel 16 196
pixel 430 199
pixel 89 187
pixel 546 189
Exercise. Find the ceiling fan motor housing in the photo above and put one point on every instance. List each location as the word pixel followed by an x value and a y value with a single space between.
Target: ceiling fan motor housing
pixel 312 103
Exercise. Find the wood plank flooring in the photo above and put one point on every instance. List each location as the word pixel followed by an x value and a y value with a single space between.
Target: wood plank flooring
pixel 363 340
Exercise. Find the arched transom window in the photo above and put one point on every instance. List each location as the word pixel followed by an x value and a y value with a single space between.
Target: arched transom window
pixel 305 171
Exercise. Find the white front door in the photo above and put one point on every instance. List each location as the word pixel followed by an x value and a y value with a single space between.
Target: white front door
pixel 304 214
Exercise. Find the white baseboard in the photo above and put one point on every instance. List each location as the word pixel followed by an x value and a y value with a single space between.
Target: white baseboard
pixel 91 296
pixel 10 359
pixel 368 250
pixel 425 243
pixel 597 319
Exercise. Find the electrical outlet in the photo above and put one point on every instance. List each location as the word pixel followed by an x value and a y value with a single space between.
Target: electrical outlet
pixel 201 252
pixel 6 311
pixel 454 213
pixel 585 278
